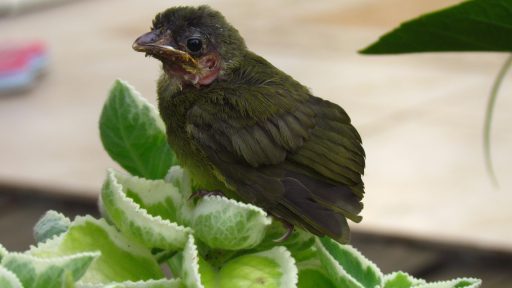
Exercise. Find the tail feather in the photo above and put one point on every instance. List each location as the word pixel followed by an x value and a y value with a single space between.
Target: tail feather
pixel 318 205
pixel 314 215
pixel 337 197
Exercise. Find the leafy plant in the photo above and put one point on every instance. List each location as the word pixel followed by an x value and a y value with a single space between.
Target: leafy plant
pixel 150 226
pixel 477 25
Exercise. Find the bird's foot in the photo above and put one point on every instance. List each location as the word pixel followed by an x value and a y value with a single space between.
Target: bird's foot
pixel 203 193
pixel 289 230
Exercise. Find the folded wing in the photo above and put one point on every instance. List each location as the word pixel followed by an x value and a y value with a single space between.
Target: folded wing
pixel 293 154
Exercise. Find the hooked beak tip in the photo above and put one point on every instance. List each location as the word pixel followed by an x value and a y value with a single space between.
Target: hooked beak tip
pixel 145 41
pixel 137 47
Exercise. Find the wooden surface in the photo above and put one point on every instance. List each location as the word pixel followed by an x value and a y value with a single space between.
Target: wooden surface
pixel 433 261
pixel 420 116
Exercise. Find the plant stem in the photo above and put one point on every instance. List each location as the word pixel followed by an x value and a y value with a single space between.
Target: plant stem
pixel 491 103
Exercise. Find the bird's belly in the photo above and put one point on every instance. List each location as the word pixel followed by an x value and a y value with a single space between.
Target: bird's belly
pixel 191 159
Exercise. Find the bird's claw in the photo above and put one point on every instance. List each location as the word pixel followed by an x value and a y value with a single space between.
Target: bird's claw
pixel 286 235
pixel 203 193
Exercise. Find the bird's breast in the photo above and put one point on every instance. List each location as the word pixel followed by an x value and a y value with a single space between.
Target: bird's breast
pixel 174 106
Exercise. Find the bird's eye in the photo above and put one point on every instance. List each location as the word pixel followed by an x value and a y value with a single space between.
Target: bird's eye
pixel 194 45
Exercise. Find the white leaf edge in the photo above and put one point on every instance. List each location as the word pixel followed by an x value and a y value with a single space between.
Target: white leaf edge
pixel 180 178
pixel 45 248
pixel 174 234
pixel 55 217
pixel 216 204
pixel 451 283
pixel 391 276
pixel 40 263
pixel 3 252
pixel 116 236
pixel 10 277
pixel 227 201
pixel 141 102
pixel 191 264
pixel 49 248
pixel 119 240
pixel 340 271
pixel 174 283
pixel 158 190
pixel 284 259
pixel 58 215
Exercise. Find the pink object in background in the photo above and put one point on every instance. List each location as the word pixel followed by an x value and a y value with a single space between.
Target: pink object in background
pixel 21 64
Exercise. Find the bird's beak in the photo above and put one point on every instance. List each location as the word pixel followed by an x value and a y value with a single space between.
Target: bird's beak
pixel 161 47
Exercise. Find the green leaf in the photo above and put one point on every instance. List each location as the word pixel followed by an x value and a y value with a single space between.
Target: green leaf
pixel 190 267
pixel 58 272
pixel 51 224
pixel 158 197
pixel 346 266
pixel 271 268
pixel 274 268
pixel 137 223
pixel 161 283
pixel 194 270
pixel 314 278
pixel 133 133
pixel 299 243
pixel 223 223
pixel 401 280
pixel 250 271
pixel 457 283
pixel 181 179
pixel 478 25
pixel 312 273
pixel 9 279
pixel 208 274
pixel 121 259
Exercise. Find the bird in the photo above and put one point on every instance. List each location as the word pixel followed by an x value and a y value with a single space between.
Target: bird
pixel 242 127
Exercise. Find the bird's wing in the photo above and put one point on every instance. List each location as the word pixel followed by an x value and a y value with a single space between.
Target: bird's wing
pixel 296 155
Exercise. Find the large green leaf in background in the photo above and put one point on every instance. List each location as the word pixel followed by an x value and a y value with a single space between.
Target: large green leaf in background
pixel 133 133
pixel 478 25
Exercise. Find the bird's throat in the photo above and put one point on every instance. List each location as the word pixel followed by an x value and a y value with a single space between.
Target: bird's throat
pixel 210 76
pixel 209 68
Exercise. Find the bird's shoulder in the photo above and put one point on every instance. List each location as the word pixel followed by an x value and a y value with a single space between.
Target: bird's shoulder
pixel 254 88
pixel 258 113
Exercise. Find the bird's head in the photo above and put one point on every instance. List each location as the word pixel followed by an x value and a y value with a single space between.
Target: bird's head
pixel 196 45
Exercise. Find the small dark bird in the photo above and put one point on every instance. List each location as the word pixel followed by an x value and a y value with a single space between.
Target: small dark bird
pixel 243 127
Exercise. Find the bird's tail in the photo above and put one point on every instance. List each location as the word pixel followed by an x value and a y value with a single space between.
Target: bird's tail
pixel 322 208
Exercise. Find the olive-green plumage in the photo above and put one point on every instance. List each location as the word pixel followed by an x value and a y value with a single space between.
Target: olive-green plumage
pixel 242 126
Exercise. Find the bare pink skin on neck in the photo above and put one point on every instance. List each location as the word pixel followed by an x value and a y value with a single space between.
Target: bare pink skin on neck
pixel 210 69
pixel 211 65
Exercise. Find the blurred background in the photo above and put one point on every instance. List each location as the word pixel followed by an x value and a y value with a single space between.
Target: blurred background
pixel 430 206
